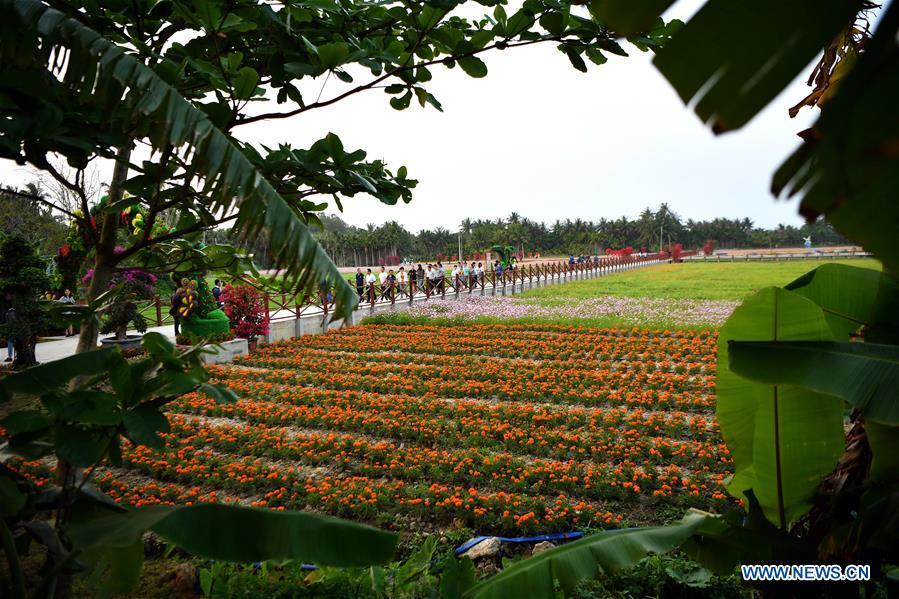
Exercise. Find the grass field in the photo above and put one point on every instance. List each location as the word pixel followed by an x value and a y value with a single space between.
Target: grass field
pixel 690 280
pixel 690 296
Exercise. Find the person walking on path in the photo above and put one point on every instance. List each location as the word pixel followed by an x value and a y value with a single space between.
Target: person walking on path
pixel 401 280
pixel 440 277
pixel 391 285
pixel 68 298
pixel 382 278
pixel 360 283
pixel 370 282
pixel 9 317
pixel 217 293
pixel 413 279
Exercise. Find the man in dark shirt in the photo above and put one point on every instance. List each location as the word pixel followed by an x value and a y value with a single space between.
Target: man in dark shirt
pixel 391 284
pixel 360 282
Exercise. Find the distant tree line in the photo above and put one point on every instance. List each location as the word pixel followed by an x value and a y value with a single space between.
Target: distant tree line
pixel 350 246
pixel 356 246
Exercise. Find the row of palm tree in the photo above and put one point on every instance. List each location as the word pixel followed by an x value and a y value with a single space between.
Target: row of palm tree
pixel 349 245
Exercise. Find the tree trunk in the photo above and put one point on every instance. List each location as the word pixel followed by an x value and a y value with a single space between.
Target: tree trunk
pixel 25 353
pixel 104 262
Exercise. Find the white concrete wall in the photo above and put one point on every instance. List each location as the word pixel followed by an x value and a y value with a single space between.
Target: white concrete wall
pixel 226 352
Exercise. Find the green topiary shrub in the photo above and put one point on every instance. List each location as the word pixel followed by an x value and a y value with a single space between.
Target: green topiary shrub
pixel 215 324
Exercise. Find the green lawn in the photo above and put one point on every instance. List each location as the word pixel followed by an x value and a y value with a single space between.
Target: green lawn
pixel 691 280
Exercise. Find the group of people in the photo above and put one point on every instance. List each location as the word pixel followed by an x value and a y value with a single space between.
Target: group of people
pixel 582 259
pixel 431 278
pixel 66 297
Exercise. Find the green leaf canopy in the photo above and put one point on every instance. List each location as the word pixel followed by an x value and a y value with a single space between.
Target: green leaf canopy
pixel 136 98
pixel 783 439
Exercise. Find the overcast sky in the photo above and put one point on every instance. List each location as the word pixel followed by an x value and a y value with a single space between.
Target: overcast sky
pixel 542 139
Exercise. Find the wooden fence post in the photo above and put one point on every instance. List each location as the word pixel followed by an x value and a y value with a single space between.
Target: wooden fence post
pixel 158 303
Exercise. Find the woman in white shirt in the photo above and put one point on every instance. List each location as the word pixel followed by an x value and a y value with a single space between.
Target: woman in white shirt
pixel 382 276
pixel 401 280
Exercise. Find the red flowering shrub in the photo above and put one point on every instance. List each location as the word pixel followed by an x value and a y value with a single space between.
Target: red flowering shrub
pixel 393 261
pixel 709 247
pixel 677 252
pixel 245 308
pixel 622 253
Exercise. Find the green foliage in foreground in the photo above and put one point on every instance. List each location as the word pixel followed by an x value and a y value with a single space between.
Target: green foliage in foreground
pixel 788 359
pixel 691 280
pixel 86 407
pixel 656 576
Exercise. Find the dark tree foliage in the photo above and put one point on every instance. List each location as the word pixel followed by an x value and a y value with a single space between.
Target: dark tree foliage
pixel 23 277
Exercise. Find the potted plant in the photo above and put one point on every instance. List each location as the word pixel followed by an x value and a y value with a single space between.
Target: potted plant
pixel 134 285
pixel 245 308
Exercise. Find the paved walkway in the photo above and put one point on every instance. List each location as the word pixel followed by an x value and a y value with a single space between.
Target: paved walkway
pixel 50 349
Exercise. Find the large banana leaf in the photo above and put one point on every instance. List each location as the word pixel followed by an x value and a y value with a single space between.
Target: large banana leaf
pixel 732 58
pixel 783 440
pixel 747 537
pixel 864 374
pixel 141 102
pixel 884 442
pixel 46 378
pixel 848 167
pixel 243 534
pixel 629 16
pixel 850 296
pixel 588 558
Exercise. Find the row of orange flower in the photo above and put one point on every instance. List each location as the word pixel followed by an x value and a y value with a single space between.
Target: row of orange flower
pixel 657 392
pixel 493 372
pixel 504 428
pixel 512 341
pixel 420 420
pixel 464 466
pixel 485 366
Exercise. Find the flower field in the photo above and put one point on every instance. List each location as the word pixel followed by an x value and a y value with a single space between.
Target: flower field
pixel 498 428
pixel 628 311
